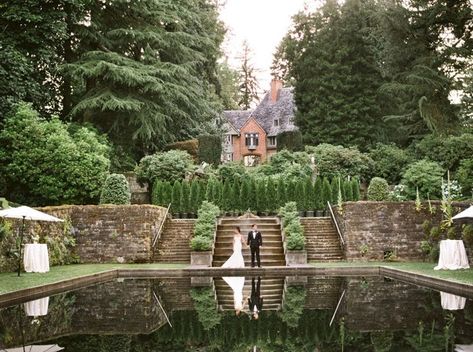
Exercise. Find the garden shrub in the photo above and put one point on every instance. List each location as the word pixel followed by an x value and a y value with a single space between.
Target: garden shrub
pixel 326 193
pixel 271 196
pixel 293 306
pixel 290 140
pixel 205 227
pixel 464 175
pixel 426 176
pixel 335 160
pixel 309 195
pixel 185 197
pixel 390 162
pixel 355 187
pixel 169 166
pixel 115 190
pixel 378 189
pixel 318 196
pixel 176 206
pixel 467 234
pixel 288 213
pixel 281 192
pixel 261 193
pixel 293 229
pixel 194 197
pixel 206 307
pixel 157 193
pixel 232 171
pixel 190 146
pixel 48 162
pixel 210 149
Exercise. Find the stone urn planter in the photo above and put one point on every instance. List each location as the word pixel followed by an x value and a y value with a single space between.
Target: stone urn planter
pixel 296 257
pixel 319 213
pixel 309 213
pixel 201 258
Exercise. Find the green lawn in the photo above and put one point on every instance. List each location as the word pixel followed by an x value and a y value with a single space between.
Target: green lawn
pixel 463 276
pixel 11 282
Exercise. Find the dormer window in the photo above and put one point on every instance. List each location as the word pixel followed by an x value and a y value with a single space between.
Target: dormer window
pixel 276 122
pixel 251 140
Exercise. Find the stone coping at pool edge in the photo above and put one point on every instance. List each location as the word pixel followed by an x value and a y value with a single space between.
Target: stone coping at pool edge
pixel 440 284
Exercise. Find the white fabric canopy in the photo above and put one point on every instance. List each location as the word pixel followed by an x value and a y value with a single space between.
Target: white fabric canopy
pixel 27 213
pixel 37 308
pixel 35 348
pixel 452 302
pixel 452 255
pixel 467 213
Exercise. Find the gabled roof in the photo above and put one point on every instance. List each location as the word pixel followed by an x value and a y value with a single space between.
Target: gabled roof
pixel 237 118
pixel 283 109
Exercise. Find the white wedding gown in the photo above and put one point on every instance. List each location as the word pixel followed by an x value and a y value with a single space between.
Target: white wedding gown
pixel 236 283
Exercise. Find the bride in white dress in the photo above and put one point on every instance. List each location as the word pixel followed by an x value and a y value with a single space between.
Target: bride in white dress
pixel 236 260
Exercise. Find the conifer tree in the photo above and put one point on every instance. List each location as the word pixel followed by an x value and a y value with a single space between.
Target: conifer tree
pixel 347 185
pixel 236 204
pixel 355 185
pixel 318 204
pixel 281 192
pixel 326 192
pixel 209 189
pixel 248 83
pixel 261 195
pixel 157 194
pixel 299 194
pixel 227 196
pixel 252 204
pixel 176 197
pixel 185 197
pixel 271 199
pixel 334 187
pixel 245 195
pixel 309 192
pixel 194 196
pixel 167 193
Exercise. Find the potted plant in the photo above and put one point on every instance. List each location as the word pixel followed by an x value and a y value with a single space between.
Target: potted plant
pixel 202 243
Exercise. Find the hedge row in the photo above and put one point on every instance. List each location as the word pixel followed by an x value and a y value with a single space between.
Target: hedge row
pixel 257 195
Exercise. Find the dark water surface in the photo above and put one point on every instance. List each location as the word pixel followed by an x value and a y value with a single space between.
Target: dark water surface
pixel 297 314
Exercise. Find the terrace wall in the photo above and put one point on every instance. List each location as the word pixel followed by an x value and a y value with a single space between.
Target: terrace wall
pixel 109 233
pixel 382 226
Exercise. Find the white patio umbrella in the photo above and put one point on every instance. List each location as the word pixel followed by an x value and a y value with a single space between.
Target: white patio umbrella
pixel 465 214
pixel 35 348
pixel 26 213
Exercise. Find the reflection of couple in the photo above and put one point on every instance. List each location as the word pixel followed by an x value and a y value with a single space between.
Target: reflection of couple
pixel 255 301
pixel 254 240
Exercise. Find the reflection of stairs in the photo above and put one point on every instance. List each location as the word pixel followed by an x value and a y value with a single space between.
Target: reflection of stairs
pixel 174 244
pixel 174 293
pixel 271 292
pixel 323 292
pixel 322 240
pixel 272 252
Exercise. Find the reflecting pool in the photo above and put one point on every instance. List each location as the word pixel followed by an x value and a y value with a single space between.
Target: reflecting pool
pixel 242 314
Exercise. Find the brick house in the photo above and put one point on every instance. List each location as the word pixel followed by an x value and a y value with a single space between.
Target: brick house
pixel 251 135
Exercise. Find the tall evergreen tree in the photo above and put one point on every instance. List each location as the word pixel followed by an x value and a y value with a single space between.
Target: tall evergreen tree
pixel 167 193
pixel 245 195
pixel 176 197
pixel 227 196
pixel 318 203
pixel 157 194
pixel 144 70
pixel 326 192
pixel 194 198
pixel 236 204
pixel 300 195
pixel 309 192
pixel 281 192
pixel 248 83
pixel 355 186
pixel 185 197
pixel 271 199
pixel 261 195
pixel 334 188
pixel 347 190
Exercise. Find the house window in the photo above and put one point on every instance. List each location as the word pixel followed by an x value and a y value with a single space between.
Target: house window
pixel 276 122
pixel 228 139
pixel 291 120
pixel 251 140
pixel 272 141
pixel 229 157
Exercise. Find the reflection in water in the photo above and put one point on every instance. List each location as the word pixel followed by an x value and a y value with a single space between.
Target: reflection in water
pixel 373 315
pixel 452 302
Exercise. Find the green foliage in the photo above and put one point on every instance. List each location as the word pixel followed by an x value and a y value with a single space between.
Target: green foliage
pixel 227 196
pixel 390 162
pixel 423 175
pixel 281 192
pixel 228 92
pixel 145 71
pixel 232 171
pixel 293 230
pixel 176 197
pixel 190 146
pixel 115 190
pixel 206 307
pixel 464 175
pixel 300 196
pixel 236 196
pixel 157 193
pixel 194 197
pixel 210 148
pixel 309 195
pixel 326 192
pixel 8 248
pixel 355 186
pixel 293 306
pixel 335 160
pixel 290 140
pixel 378 189
pixel 245 195
pixel 49 162
pixel 271 196
pixel 205 227
pixel 467 234
pixel 185 197
pixel 167 166
pixel 247 81
pixel 201 243
pixel 288 213
pixel 448 151
pixel 261 195
pixel 318 195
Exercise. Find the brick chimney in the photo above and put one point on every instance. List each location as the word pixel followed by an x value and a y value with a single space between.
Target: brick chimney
pixel 276 85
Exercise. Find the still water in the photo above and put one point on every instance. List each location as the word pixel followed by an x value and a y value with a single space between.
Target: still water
pixel 242 314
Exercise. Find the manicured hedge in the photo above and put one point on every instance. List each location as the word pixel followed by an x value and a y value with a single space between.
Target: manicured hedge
pixel 210 149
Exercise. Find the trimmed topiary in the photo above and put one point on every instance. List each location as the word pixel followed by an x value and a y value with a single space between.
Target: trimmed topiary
pixel 318 197
pixel 115 190
pixel 272 197
pixel 157 193
pixel 326 192
pixel 185 197
pixel 210 149
pixel 378 190
pixel 355 187
pixel 194 199
pixel 176 197
pixel 227 196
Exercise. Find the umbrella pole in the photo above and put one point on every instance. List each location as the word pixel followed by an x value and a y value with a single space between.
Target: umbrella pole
pixel 21 242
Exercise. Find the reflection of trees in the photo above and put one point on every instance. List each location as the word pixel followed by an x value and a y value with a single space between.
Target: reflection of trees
pixel 206 306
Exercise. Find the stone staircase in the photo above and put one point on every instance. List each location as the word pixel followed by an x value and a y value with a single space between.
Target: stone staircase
pixel 322 241
pixel 174 244
pixel 272 252
pixel 271 292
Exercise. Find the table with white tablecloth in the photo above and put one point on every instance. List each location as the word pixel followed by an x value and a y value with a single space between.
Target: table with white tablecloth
pixel 452 302
pixel 36 258
pixel 452 255
pixel 37 308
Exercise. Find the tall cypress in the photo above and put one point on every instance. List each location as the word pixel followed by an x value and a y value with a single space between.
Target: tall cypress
pixel 167 193
pixel 176 205
pixel 318 204
pixel 355 186
pixel 245 195
pixel 334 188
pixel 271 199
pixel 194 196
pixel 227 196
pixel 309 195
pixel 347 185
pixel 252 194
pixel 157 194
pixel 261 195
pixel 299 195
pixel 236 204
pixel 326 192
pixel 281 192
pixel 185 197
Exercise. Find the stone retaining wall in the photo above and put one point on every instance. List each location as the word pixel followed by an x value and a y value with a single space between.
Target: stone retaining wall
pixel 387 226
pixel 110 233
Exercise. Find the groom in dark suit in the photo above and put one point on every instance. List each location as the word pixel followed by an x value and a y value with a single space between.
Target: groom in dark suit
pixel 255 241
pixel 255 301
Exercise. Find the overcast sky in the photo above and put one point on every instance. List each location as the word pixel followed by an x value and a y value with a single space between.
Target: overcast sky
pixel 263 23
